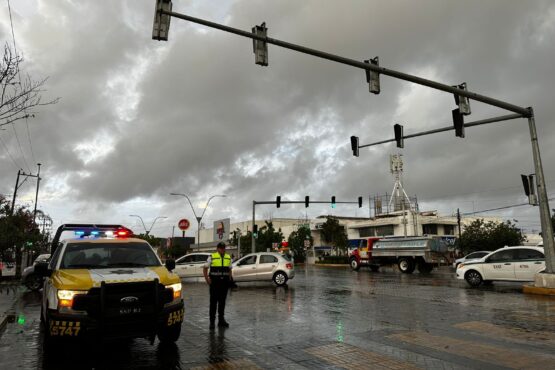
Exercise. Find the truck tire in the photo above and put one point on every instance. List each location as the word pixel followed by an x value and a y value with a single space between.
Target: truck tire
pixel 169 335
pixel 406 265
pixel 355 266
pixel 425 268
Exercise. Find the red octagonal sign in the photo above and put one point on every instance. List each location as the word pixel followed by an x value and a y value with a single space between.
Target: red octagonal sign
pixel 183 224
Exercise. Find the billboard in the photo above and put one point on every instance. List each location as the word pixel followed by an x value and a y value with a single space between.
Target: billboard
pixel 221 230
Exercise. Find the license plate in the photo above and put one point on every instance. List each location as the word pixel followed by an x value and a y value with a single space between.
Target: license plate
pixel 129 310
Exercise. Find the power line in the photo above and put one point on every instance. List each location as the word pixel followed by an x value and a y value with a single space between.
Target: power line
pixel 499 208
pixel 20 147
pixel 16 166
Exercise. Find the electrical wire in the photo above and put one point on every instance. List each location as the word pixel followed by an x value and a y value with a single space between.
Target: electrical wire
pixel 19 77
pixel 16 166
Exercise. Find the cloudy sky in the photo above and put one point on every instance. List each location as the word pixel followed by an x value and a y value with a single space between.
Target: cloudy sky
pixel 138 118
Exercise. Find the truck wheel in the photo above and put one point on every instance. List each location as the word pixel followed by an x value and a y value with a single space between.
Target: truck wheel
pixel 473 278
pixel 374 268
pixel 169 335
pixel 354 264
pixel 425 268
pixel 406 266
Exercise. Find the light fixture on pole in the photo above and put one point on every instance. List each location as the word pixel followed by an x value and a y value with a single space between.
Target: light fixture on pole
pixel 198 218
pixel 140 218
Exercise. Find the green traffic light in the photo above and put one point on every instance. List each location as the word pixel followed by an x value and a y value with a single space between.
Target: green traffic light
pixel 21 319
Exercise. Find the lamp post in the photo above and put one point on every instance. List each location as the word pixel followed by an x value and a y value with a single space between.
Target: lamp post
pixel 140 218
pixel 198 218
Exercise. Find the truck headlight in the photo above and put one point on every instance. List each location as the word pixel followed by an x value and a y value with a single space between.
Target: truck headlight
pixel 176 288
pixel 65 297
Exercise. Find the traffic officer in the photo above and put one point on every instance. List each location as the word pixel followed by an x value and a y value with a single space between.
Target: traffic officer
pixel 219 280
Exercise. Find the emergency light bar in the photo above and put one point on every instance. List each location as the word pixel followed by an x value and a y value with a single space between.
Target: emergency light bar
pixel 92 230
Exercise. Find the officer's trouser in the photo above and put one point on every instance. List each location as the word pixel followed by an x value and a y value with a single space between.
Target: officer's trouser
pixel 218 294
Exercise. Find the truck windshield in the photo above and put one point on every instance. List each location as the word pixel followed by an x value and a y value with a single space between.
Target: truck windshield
pixel 107 255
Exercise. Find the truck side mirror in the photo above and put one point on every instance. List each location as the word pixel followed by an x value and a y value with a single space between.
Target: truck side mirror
pixel 41 269
pixel 170 264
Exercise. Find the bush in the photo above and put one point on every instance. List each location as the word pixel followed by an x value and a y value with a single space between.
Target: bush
pixel 333 260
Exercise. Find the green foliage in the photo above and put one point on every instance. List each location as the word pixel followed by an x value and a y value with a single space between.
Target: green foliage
pixel 267 235
pixel 489 236
pixel 18 232
pixel 334 233
pixel 296 242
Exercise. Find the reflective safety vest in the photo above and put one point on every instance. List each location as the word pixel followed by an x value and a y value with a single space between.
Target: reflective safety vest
pixel 220 266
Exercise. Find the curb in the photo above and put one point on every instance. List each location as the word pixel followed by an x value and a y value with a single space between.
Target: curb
pixel 530 289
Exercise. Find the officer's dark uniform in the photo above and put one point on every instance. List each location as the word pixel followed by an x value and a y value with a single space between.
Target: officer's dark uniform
pixel 220 271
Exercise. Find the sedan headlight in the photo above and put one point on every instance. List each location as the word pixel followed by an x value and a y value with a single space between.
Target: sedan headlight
pixel 460 266
pixel 65 297
pixel 176 288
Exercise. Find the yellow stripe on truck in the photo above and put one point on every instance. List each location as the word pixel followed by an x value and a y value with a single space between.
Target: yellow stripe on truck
pixel 166 277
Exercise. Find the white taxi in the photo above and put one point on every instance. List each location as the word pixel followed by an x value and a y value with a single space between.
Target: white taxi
pixel 519 263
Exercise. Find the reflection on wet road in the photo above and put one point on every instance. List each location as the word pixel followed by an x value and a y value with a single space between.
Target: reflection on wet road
pixel 324 318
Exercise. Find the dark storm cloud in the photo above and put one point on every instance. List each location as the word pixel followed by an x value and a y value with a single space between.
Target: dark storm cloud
pixel 202 115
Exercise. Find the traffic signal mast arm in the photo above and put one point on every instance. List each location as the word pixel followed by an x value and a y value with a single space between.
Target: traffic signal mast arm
pixel 523 112
pixel 302 202
pixel 449 128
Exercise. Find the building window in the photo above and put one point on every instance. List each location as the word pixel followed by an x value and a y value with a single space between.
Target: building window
pixel 430 229
pixel 448 230
pixel 376 231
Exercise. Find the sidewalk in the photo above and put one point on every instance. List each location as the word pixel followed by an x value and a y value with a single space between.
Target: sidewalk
pixel 10 291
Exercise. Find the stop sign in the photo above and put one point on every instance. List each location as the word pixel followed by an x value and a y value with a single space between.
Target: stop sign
pixel 183 224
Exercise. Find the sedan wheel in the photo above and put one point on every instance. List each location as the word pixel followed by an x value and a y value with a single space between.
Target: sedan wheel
pixel 33 282
pixel 280 278
pixel 473 278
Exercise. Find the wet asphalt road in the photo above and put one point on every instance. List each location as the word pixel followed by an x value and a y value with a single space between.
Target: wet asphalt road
pixel 328 318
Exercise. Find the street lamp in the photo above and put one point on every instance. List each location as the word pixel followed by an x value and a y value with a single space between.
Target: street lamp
pixel 198 218
pixel 147 232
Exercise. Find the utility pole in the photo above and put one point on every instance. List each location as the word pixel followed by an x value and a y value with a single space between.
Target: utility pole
pixel 37 194
pixel 459 223
pixel 15 192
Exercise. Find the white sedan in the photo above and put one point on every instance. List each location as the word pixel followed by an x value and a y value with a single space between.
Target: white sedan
pixel 506 264
pixel 471 256
pixel 191 265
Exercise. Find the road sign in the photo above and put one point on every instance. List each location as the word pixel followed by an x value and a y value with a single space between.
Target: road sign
pixel 183 224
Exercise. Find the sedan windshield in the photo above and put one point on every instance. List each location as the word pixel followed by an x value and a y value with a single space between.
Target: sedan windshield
pixel 107 255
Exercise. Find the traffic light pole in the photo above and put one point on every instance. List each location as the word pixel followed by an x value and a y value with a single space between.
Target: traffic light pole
pixel 255 202
pixel 547 230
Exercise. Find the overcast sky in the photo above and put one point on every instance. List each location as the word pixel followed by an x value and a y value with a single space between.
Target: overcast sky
pixel 138 118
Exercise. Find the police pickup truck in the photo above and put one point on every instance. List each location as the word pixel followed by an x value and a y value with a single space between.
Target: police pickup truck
pixel 103 282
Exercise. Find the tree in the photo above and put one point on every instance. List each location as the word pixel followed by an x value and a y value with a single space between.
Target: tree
pixel 267 235
pixel 334 233
pixel 18 96
pixel 489 236
pixel 296 242
pixel 18 233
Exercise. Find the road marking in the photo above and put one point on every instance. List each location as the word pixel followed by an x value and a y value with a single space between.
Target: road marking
pixel 514 334
pixel 242 363
pixel 511 358
pixel 351 357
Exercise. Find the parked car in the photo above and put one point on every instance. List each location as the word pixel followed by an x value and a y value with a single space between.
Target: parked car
pixel 7 268
pixel 507 264
pixel 264 266
pixel 29 278
pixel 191 265
pixel 470 256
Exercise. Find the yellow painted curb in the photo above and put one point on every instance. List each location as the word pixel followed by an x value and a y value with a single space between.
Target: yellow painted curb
pixel 530 289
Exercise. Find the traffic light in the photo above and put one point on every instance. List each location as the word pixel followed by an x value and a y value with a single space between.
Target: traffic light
pixel 255 231
pixel 359 202
pixel 373 78
pixel 398 129
pixel 260 48
pixel 462 101
pixel 333 205
pixel 529 189
pixel 278 201
pixel 306 201
pixel 161 24
pixel 354 145
pixel 458 122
